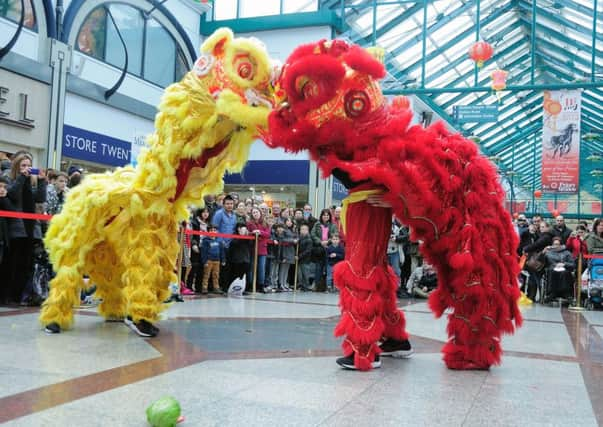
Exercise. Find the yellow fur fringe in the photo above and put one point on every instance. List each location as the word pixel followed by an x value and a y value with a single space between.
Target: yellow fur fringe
pixel 120 227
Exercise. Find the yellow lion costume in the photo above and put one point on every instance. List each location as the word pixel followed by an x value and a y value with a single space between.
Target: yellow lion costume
pixel 120 228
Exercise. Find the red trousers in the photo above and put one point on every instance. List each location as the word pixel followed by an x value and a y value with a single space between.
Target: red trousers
pixel 367 285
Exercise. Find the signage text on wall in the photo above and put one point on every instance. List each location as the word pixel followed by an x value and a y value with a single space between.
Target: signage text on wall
pixel 95 147
pixel 14 116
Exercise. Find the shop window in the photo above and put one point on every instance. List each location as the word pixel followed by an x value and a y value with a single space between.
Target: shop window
pixel 225 9
pixel 131 26
pixel 152 52
pixel 92 35
pixel 250 8
pixel 11 10
pixel 181 66
pixel 160 54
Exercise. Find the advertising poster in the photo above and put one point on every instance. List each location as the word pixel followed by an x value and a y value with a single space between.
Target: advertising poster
pixel 561 141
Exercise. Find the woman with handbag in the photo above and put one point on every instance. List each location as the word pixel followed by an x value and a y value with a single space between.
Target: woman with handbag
pixel 535 263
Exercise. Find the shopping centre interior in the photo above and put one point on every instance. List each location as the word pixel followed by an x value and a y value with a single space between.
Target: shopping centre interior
pixel 81 84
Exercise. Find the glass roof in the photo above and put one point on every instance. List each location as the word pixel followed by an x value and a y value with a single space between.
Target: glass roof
pixel 562 52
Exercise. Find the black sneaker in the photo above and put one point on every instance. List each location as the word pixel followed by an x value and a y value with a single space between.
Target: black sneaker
pixel 397 349
pixel 142 327
pixel 347 362
pixel 52 328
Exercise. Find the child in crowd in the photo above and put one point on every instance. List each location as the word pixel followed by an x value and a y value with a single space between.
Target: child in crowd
pixel 212 257
pixel 335 254
pixel 240 256
pixel 305 257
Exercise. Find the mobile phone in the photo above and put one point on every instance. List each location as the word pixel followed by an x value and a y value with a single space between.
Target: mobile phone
pixel 34 171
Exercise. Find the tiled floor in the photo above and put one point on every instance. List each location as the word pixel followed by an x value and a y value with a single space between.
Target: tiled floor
pixel 269 361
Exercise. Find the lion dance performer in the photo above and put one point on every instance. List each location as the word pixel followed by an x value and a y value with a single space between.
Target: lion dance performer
pixel 120 228
pixel 434 181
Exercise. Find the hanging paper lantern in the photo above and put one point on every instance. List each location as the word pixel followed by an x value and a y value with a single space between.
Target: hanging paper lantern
pixel 538 194
pixel 515 215
pixel 552 107
pixel 555 213
pixel 401 102
pixel 480 52
pixel 499 80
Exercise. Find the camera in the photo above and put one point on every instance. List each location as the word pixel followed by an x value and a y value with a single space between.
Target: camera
pixel 34 171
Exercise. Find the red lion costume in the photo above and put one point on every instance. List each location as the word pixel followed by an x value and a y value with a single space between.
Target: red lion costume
pixel 434 181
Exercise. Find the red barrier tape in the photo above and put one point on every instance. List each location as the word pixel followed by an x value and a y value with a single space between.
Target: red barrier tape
pixel 593 256
pixel 230 236
pixel 24 215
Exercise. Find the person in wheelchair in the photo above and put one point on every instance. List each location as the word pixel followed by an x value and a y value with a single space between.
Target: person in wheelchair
pixel 559 267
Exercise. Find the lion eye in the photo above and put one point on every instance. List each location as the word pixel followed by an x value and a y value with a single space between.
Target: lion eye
pixel 244 66
pixel 306 87
pixel 356 103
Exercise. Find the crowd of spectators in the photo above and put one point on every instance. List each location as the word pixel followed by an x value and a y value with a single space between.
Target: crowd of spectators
pixel 294 248
pixel 551 252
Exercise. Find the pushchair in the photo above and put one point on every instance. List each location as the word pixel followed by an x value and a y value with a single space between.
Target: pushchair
pixel 594 287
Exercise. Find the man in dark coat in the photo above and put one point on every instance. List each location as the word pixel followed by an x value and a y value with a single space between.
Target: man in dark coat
pixel 561 230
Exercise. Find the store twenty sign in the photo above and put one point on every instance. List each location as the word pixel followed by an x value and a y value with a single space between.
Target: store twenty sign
pixel 95 147
pixel 561 141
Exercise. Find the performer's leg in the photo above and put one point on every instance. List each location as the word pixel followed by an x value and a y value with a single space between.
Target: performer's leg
pixel 57 310
pixel 363 279
pixel 145 286
pixel 393 318
pixel 105 272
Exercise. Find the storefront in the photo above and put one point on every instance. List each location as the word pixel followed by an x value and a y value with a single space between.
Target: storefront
pixel 283 182
pixel 98 137
pixel 24 115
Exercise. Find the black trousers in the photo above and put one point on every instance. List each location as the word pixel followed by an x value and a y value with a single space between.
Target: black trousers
pixel 195 276
pixel 17 268
pixel 533 284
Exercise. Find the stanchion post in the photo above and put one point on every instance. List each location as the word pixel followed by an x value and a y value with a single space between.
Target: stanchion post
pixel 255 262
pixel 180 256
pixel 577 304
pixel 296 265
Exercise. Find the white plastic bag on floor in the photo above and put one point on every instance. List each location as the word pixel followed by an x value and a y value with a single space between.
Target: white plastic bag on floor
pixel 237 287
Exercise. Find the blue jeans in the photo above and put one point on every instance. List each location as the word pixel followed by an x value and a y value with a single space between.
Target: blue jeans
pixel 261 271
pixel 394 261
pixel 330 275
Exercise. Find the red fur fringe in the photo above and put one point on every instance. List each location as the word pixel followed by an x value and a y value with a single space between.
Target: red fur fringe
pixel 437 183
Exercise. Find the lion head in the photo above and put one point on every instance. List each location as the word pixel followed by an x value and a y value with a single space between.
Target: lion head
pixel 208 121
pixel 329 99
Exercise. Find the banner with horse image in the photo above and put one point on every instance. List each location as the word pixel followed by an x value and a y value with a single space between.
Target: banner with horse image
pixel 561 141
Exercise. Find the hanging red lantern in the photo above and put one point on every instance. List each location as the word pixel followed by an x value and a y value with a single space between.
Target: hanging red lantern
pixel 480 52
pixel 538 194
pixel 515 215
pixel 401 102
pixel 555 213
